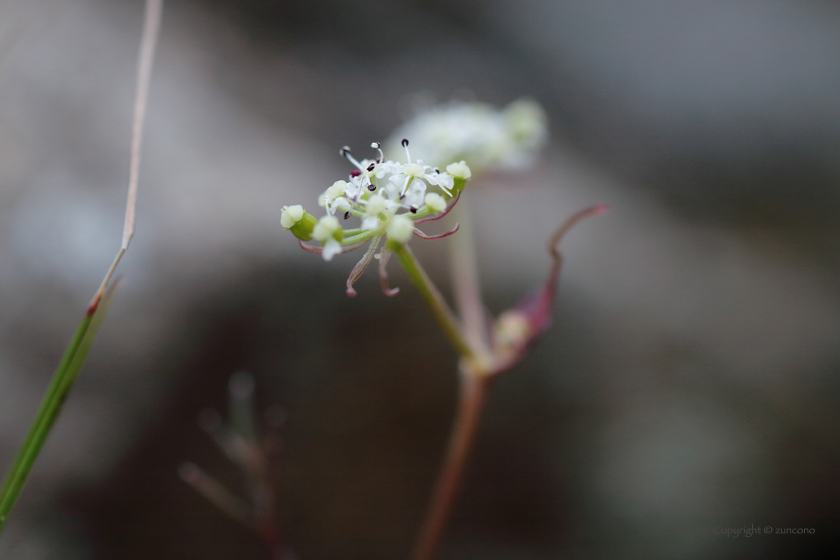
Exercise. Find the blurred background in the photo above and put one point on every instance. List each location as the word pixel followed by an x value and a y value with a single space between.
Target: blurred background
pixel 689 381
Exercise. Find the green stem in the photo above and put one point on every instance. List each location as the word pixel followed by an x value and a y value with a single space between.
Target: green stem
pixel 465 279
pixel 54 398
pixel 358 237
pixel 434 299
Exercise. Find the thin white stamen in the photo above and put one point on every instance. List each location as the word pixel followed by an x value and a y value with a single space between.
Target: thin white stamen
pixel 345 151
pixel 378 146
pixel 405 145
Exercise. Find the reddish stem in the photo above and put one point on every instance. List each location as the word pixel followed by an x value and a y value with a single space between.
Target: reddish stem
pixel 473 391
pixel 422 235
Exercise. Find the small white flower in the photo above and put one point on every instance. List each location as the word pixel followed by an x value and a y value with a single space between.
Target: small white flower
pixel 415 193
pixel 400 229
pixel 459 170
pixel 291 215
pixel 337 189
pixel 326 228
pixel 376 205
pixel 445 181
pixel 413 170
pixel 332 199
pixel 435 202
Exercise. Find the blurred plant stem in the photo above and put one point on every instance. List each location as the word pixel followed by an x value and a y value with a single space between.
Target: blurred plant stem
pixel 75 354
pixel 465 278
pixel 470 341
pixel 470 404
pixel 256 453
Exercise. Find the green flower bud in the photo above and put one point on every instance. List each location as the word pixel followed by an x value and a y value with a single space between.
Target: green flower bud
pixel 298 221
pixel 460 171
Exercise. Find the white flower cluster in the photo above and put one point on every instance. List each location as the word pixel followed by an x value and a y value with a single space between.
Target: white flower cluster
pixel 389 197
pixel 485 137
pixel 380 188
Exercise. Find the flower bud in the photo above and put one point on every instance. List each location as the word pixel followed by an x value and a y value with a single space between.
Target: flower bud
pixel 376 205
pixel 526 122
pixel 511 331
pixel 435 202
pixel 400 229
pixel 336 190
pixel 461 172
pixel 328 228
pixel 298 221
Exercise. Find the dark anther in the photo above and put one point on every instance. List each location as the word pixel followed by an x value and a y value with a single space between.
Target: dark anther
pixel 347 214
pixel 355 173
pixel 371 166
pixel 371 187
pixel 378 160
pixel 404 142
pixel 344 151
pixel 402 196
pixel 413 210
pixel 437 170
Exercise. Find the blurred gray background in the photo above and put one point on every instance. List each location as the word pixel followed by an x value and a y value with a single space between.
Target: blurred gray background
pixel 689 381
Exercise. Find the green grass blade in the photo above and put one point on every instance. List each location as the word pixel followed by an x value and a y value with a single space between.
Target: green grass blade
pixel 62 382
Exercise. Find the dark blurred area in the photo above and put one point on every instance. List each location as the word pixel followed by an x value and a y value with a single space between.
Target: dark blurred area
pixel 689 382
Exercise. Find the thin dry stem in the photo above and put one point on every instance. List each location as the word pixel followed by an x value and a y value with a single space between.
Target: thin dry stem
pixel 216 493
pixel 151 27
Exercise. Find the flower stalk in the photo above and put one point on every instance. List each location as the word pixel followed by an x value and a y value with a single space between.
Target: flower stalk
pixel 467 287
pixel 444 315
pixel 471 400
pixel 477 374
pixel 391 199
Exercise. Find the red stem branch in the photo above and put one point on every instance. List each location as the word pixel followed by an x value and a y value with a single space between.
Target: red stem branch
pixel 471 403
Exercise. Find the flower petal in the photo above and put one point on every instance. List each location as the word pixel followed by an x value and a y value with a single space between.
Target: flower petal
pixel 331 249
